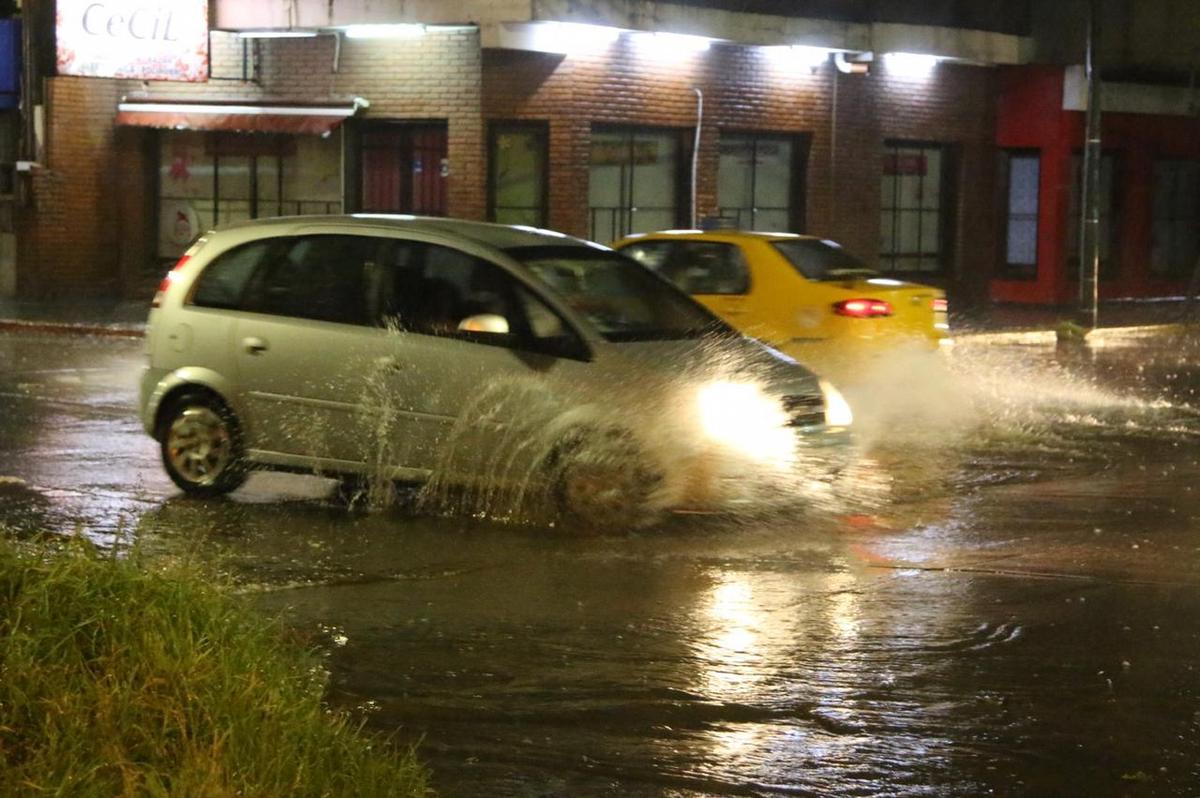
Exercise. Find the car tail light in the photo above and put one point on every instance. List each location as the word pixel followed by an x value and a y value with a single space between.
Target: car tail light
pixel 940 306
pixel 166 281
pixel 862 308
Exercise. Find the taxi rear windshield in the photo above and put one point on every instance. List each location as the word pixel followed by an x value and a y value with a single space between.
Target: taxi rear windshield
pixel 818 259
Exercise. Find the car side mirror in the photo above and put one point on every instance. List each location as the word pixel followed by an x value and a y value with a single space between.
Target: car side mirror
pixel 484 323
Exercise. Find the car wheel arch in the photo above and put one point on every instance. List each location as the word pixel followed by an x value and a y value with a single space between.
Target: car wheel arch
pixel 191 380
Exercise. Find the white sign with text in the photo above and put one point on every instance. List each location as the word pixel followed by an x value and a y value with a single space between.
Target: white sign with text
pixel 133 39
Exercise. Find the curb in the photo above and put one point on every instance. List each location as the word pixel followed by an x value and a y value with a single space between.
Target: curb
pixel 1050 336
pixel 70 328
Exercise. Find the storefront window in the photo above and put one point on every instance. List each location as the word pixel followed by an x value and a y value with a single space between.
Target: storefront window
pixel 208 179
pixel 1176 234
pixel 756 181
pixel 1021 222
pixel 517 180
pixel 912 208
pixel 633 183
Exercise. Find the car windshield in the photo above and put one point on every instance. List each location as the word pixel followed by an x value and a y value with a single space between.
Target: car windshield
pixel 818 259
pixel 621 298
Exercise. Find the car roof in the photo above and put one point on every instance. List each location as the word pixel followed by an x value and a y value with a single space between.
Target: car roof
pixel 730 236
pixel 500 236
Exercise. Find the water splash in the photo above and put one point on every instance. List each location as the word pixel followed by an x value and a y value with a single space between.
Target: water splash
pixel 539 449
pixel 979 394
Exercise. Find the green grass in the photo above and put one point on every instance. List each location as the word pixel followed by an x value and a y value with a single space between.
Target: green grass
pixel 118 678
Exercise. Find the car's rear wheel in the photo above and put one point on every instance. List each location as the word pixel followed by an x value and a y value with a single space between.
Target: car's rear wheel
pixel 604 479
pixel 201 445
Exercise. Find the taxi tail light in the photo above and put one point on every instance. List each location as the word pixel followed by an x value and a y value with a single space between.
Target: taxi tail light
pixel 166 281
pixel 863 308
pixel 940 306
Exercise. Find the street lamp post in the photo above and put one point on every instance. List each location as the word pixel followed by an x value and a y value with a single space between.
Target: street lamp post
pixel 1089 206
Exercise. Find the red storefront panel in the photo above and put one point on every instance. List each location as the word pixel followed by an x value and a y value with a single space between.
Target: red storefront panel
pixel 1030 115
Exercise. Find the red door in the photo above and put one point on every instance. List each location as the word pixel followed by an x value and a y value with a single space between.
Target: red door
pixel 403 169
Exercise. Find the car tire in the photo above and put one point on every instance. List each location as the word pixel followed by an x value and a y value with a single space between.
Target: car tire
pixel 201 444
pixel 604 479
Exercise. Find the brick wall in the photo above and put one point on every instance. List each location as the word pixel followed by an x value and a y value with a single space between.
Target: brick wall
pixel 67 242
pixel 433 77
pixel 89 225
pixel 99 185
pixel 744 89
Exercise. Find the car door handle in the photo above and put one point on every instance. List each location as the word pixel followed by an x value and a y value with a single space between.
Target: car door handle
pixel 254 346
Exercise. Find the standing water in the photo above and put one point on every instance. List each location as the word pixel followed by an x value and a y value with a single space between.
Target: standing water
pixel 1013 611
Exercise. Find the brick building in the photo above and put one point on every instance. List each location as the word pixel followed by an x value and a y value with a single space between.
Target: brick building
pixel 582 119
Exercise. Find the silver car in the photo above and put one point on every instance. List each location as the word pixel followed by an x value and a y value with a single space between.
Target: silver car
pixel 508 359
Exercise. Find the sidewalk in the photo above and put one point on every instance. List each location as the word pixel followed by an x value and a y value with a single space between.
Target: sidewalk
pixel 121 318
pixel 127 318
pixel 1112 313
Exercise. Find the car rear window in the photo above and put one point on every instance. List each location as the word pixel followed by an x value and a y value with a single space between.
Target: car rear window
pixel 820 259
pixel 697 267
pixel 223 281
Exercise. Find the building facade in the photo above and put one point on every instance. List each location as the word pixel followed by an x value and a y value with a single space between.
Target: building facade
pixel 600 121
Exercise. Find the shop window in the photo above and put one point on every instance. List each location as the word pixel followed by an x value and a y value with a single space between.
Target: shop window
pixel 208 180
pixel 758 184
pixel 914 203
pixel 1023 169
pixel 517 174
pixel 404 168
pixel 1176 234
pixel 1108 230
pixel 633 182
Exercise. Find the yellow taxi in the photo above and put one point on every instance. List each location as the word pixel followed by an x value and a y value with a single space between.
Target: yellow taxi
pixel 803 295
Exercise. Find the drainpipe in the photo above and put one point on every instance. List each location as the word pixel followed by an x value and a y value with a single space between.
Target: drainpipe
pixel 696 151
pixel 833 145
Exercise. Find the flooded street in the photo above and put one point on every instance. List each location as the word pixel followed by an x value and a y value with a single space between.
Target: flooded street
pixel 1005 601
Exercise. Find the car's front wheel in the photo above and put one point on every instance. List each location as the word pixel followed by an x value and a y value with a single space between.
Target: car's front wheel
pixel 605 479
pixel 202 445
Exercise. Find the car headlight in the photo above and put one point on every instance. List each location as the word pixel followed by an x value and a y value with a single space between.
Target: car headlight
pixel 837 409
pixel 744 418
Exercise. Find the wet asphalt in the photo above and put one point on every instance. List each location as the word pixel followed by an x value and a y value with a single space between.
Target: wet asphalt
pixel 1005 599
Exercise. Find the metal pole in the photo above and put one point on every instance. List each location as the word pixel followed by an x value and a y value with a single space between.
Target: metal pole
pixel 1089 206
pixel 696 153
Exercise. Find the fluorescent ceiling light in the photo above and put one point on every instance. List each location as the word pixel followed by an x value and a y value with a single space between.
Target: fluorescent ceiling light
pixel 798 56
pixel 671 45
pixel 573 38
pixel 911 65
pixel 398 31
pixel 282 33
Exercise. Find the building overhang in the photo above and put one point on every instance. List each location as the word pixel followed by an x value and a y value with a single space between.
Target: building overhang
pixel 237 117
pixel 1129 98
pixel 529 25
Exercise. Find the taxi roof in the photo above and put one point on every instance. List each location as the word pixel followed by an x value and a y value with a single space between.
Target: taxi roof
pixel 715 235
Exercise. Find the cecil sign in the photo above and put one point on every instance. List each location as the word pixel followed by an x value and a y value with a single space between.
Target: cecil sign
pixel 165 40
